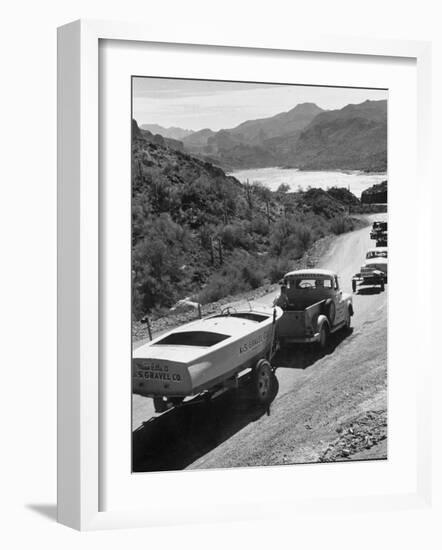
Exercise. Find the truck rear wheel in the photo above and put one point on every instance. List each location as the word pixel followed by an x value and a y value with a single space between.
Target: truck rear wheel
pixel 263 382
pixel 323 336
pixel 348 319
pixel 353 285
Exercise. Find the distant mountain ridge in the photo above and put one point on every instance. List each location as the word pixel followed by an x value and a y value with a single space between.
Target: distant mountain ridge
pixel 305 137
pixel 172 132
pixel 156 139
pixel 278 125
pixel 198 140
pixel 246 145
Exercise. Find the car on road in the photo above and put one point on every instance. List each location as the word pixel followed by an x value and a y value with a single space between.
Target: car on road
pixel 382 239
pixel 374 272
pixel 378 228
pixel 314 306
pixel 381 253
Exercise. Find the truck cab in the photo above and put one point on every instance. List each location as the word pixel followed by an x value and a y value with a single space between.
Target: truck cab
pixel 313 305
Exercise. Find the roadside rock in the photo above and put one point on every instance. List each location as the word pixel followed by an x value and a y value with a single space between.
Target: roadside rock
pixel 363 432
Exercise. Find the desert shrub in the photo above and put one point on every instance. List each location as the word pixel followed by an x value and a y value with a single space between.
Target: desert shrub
pixel 221 285
pixel 253 273
pixel 290 237
pixel 157 262
pixel 304 236
pixel 233 236
pixel 277 268
pixel 205 234
pixel 283 188
pixel 261 191
pixel 280 232
pixel 259 225
pixel 341 225
pixel 243 272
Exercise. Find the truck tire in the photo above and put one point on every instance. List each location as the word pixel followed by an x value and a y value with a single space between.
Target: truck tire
pixel 348 319
pixel 330 311
pixel 353 285
pixel 323 336
pixel 263 382
pixel 382 285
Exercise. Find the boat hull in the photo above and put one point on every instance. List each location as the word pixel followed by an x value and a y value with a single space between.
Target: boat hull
pixel 155 376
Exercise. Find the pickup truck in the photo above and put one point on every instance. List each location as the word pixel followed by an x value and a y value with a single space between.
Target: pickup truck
pixel 313 307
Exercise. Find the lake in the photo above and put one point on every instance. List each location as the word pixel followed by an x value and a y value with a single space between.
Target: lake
pixel 273 177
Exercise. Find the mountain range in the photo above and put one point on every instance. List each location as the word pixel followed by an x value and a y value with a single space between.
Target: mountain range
pixel 306 137
pixel 172 132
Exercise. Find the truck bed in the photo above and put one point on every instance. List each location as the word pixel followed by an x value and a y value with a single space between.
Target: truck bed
pixel 299 324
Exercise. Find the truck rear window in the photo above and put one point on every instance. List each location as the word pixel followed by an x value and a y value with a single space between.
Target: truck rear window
pixel 194 338
pixel 309 283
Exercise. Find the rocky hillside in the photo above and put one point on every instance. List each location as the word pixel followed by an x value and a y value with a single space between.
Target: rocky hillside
pixel 377 194
pixel 197 232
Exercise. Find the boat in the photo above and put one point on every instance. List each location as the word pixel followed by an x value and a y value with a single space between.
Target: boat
pixel 206 355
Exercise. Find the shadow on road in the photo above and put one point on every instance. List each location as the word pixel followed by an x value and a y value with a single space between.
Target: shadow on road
pixel 180 436
pixel 302 356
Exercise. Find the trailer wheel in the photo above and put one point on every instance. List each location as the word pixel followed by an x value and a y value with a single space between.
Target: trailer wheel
pixel 263 382
pixel 159 404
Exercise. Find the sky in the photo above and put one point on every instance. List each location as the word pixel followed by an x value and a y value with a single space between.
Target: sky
pixel 198 104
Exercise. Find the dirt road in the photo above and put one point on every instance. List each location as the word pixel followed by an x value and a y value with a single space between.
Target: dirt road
pixel 330 406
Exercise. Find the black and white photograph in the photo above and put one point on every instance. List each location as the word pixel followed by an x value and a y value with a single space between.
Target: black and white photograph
pixel 259 274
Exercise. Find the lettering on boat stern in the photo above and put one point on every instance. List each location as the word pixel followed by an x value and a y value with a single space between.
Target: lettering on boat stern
pixel 156 371
pixel 255 341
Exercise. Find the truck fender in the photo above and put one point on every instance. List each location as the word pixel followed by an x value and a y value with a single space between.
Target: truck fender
pixel 330 310
pixel 321 320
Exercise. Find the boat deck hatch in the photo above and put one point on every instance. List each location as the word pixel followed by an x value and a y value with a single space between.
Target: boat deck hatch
pixel 246 315
pixel 193 338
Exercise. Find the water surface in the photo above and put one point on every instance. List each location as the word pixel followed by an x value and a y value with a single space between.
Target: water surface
pixel 295 179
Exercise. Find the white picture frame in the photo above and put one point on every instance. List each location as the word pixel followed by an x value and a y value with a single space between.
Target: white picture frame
pixel 79 448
